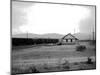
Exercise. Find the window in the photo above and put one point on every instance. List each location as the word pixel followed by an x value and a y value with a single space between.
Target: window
pixel 71 40
pixel 66 40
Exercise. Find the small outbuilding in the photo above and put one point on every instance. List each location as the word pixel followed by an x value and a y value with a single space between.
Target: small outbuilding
pixel 68 39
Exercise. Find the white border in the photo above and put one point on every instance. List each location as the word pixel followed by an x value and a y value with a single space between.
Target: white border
pixel 5 37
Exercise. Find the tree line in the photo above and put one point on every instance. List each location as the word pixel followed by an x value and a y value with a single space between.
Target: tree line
pixel 33 41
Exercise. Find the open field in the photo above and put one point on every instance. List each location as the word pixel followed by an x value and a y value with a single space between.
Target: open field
pixel 52 58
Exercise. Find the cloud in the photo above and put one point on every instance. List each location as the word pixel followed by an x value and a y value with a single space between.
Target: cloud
pixel 86 25
pixel 50 18
pixel 19 14
pixel 45 18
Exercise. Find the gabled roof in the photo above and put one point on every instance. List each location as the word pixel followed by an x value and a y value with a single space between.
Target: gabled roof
pixel 70 35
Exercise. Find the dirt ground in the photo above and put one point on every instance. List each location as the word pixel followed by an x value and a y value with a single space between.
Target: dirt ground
pixel 53 57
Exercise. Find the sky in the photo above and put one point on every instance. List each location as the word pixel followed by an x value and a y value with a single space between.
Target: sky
pixel 43 18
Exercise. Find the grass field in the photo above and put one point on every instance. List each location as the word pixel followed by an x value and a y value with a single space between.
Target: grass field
pixel 35 59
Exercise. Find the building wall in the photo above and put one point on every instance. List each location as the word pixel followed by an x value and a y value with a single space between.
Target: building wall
pixel 69 41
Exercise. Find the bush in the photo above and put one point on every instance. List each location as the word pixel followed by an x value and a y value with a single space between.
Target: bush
pixel 80 48
pixel 32 69
pixel 18 70
pixel 59 44
pixel 46 66
pixel 66 65
pixel 89 61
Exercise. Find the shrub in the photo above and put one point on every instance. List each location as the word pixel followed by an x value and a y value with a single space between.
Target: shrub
pixel 89 61
pixel 92 42
pixel 76 63
pixel 46 66
pixel 80 48
pixel 66 65
pixel 18 70
pixel 32 69
pixel 59 44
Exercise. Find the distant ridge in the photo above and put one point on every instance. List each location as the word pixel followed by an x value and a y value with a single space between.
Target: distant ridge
pixel 30 35
pixel 80 36
pixel 83 36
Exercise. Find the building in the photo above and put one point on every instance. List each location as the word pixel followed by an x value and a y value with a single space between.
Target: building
pixel 68 39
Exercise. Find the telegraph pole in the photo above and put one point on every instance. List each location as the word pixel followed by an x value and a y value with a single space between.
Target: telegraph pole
pixel 74 30
pixel 93 34
pixel 27 35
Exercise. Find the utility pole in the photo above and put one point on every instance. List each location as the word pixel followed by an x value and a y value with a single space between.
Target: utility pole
pixel 74 30
pixel 27 35
pixel 93 34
